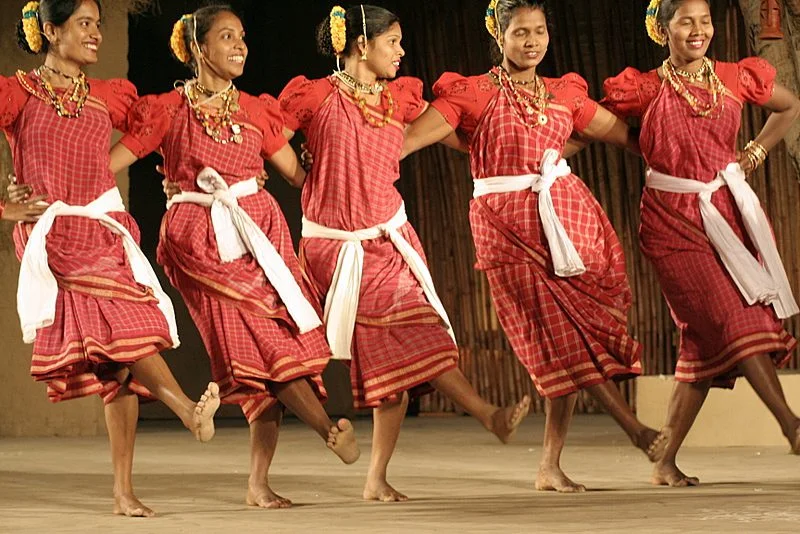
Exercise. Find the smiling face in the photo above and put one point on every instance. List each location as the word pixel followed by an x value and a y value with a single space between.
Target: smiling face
pixel 384 53
pixel 223 47
pixel 525 40
pixel 78 39
pixel 690 31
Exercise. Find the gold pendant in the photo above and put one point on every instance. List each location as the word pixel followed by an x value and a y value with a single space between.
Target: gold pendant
pixel 238 139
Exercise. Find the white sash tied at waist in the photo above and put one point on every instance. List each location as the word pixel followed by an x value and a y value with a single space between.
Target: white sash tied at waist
pixel 765 284
pixel 566 260
pixel 38 289
pixel 341 304
pixel 237 234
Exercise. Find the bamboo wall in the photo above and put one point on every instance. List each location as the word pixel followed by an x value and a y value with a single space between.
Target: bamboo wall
pixel 597 43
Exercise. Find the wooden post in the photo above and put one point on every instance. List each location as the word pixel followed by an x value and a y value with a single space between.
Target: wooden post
pixel 770 20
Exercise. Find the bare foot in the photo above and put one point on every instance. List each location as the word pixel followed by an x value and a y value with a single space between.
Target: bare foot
pixel 380 490
pixel 263 497
pixel 653 443
pixel 552 478
pixel 668 474
pixel 128 505
pixel 505 421
pixel 342 441
pixel 204 410
pixel 795 441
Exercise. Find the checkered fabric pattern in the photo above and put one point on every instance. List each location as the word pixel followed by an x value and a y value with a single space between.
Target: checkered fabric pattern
pixel 570 333
pixel 400 342
pixel 248 333
pixel 718 329
pixel 104 319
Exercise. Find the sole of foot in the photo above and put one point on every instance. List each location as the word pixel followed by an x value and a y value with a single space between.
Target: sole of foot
pixel 554 479
pixel 657 447
pixel 204 411
pixel 342 441
pixel 506 421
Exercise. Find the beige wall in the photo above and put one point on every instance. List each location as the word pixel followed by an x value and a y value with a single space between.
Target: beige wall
pixel 24 408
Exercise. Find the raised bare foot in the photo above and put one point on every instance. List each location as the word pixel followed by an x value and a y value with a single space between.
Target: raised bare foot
pixel 668 474
pixel 794 441
pixel 128 505
pixel 653 443
pixel 261 495
pixel 505 421
pixel 380 490
pixel 342 441
pixel 204 410
pixel 552 478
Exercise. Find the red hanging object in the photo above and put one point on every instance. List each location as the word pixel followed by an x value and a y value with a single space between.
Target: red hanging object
pixel 770 20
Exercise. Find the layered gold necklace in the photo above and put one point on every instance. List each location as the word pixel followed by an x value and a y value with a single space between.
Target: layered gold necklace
pixel 68 105
pixel 529 105
pixel 360 88
pixel 218 124
pixel 705 74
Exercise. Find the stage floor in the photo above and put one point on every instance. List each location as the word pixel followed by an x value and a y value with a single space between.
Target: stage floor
pixel 460 480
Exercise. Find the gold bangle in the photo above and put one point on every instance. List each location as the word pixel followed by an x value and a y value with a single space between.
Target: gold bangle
pixel 756 153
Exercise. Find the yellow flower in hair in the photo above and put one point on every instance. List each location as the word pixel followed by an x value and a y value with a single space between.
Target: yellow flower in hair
pixel 30 24
pixel 177 42
pixel 338 29
pixel 491 19
pixel 652 25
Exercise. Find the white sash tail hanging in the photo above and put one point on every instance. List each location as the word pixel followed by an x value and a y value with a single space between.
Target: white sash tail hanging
pixel 566 260
pixel 759 283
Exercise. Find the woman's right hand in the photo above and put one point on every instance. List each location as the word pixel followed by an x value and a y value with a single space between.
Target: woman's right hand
pixel 16 192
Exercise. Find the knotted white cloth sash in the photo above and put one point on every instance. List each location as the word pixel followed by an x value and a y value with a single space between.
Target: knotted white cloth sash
pixel 237 234
pixel 765 284
pixel 38 289
pixel 341 304
pixel 566 260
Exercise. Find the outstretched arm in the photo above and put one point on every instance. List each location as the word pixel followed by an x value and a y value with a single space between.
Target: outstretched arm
pixel 429 128
pixel 121 158
pixel 285 162
pixel 608 128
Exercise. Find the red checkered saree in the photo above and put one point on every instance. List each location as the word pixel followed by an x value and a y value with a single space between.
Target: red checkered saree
pixel 104 319
pixel 718 328
pixel 570 333
pixel 400 342
pixel 248 333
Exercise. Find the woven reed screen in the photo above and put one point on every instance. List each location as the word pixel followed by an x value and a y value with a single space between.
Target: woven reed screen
pixel 596 38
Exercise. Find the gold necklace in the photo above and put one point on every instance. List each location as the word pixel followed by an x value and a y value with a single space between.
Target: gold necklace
pixel 533 103
pixel 354 84
pixel 214 124
pixel 388 111
pixel 717 89
pixel 78 96
pixel 699 75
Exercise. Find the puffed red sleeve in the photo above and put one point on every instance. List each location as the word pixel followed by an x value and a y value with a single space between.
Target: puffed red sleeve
pixel 149 120
pixel 756 80
pixel 576 95
pixel 270 121
pixel 407 92
pixel 300 100
pixel 12 99
pixel 454 95
pixel 622 94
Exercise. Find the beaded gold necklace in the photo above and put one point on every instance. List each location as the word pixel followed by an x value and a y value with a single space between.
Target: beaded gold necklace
pixel 74 99
pixel 358 93
pixel 705 73
pixel 219 121
pixel 533 102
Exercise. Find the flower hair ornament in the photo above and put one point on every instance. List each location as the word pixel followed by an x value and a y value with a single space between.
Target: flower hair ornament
pixel 338 23
pixel 651 23
pixel 176 41
pixel 30 25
